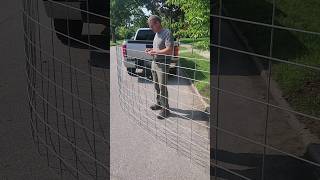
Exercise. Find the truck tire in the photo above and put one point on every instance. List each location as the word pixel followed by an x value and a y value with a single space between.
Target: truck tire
pixel 173 71
pixel 147 73
pixel 75 29
pixel 131 71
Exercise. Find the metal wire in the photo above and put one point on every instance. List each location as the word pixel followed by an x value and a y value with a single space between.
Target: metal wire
pixel 264 24
pixel 266 57
pixel 218 45
pixel 186 133
pixel 68 125
pixel 60 33
pixel 66 117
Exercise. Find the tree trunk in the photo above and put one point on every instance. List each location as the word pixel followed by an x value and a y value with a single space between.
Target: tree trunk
pixel 113 35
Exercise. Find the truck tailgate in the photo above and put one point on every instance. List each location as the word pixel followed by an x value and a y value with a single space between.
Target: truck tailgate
pixel 135 50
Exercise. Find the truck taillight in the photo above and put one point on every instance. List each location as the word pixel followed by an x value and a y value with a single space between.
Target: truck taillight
pixel 124 50
pixel 176 51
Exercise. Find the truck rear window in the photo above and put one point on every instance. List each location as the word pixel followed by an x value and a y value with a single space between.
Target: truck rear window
pixel 146 35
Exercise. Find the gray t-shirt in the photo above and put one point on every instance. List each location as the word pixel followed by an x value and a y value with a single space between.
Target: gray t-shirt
pixel 162 40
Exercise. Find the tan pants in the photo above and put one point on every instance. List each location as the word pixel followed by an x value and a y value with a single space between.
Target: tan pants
pixel 160 79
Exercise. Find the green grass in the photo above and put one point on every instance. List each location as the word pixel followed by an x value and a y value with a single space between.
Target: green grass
pixel 118 42
pixel 183 48
pixel 300 85
pixel 202 65
pixel 190 40
pixel 200 43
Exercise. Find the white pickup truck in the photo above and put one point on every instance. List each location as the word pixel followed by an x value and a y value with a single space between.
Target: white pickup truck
pixel 133 51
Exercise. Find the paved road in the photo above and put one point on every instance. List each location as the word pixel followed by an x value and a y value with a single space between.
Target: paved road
pixel 18 156
pixel 247 118
pixel 21 158
pixel 136 153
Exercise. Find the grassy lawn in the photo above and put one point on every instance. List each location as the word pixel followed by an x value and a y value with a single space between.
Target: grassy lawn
pixel 203 65
pixel 300 86
pixel 200 43
pixel 190 40
pixel 182 48
pixel 118 42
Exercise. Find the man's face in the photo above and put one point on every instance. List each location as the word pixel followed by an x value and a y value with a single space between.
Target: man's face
pixel 154 25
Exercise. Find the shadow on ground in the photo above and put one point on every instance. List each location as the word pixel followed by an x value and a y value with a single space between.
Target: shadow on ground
pixel 189 114
pixel 276 167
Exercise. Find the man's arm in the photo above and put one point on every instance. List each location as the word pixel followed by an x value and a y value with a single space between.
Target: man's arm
pixel 169 43
pixel 165 51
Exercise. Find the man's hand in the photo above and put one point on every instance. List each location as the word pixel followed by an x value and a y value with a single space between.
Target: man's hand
pixel 150 51
pixel 147 50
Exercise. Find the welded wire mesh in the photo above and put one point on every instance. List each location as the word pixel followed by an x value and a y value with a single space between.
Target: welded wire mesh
pixel 68 99
pixel 255 132
pixel 68 85
pixel 186 129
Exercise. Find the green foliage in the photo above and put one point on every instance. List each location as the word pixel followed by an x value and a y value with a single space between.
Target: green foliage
pixel 200 43
pixel 300 86
pixel 125 32
pixel 201 75
pixel 196 17
pixel 185 18
pixel 139 19
pixel 121 14
pixel 203 44
pixel 169 12
pixel 171 15
pixel 118 42
pixel 191 40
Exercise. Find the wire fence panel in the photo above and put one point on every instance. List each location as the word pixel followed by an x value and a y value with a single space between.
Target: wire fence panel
pixel 186 129
pixel 262 66
pixel 262 104
pixel 68 88
pixel 68 85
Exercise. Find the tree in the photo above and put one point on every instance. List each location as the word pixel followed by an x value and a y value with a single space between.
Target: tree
pixel 163 9
pixel 196 16
pixel 121 13
pixel 139 19
pixel 170 13
pixel 125 32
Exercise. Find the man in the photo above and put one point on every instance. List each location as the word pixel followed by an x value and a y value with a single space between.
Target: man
pixel 162 51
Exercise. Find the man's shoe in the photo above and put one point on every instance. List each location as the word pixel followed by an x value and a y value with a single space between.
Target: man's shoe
pixel 163 114
pixel 155 107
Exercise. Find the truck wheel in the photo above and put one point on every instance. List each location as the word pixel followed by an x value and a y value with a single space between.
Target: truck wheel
pixel 75 29
pixel 131 71
pixel 173 71
pixel 148 74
